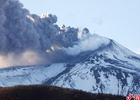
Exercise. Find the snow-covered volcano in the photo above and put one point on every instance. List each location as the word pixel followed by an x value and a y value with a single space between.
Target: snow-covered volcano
pixel 107 68
pixel 62 56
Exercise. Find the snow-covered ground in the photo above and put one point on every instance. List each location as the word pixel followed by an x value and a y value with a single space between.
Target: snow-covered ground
pixel 111 69
pixel 29 75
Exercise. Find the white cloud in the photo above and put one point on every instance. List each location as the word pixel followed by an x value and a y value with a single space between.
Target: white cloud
pixel 89 42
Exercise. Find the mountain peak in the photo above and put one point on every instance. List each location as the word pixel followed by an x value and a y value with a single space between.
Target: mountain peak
pixel 110 68
pixel 62 56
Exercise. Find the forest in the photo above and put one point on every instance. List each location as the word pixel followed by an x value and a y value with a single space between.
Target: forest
pixel 44 92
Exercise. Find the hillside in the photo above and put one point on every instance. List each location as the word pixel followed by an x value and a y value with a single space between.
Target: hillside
pixel 110 69
pixel 41 92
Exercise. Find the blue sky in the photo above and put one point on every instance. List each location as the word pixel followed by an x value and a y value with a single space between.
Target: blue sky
pixel 115 19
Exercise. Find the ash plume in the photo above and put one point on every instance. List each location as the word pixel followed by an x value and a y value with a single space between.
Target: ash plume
pixel 37 37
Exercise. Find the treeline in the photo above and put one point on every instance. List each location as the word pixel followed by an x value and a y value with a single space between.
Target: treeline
pixel 41 92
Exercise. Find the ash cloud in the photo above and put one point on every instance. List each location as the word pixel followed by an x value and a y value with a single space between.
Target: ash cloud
pixel 28 39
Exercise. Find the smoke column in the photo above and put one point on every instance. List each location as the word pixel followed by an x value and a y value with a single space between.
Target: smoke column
pixel 28 39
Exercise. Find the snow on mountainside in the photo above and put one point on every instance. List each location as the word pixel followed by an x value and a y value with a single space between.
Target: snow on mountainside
pixel 29 74
pixel 62 56
pixel 110 68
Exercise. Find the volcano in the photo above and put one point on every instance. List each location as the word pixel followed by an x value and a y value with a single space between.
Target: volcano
pixel 111 68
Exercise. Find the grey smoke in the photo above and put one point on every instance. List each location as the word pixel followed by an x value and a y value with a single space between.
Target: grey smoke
pixel 22 32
